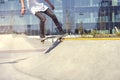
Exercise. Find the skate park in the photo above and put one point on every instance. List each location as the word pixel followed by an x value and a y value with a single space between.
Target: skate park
pixel 22 57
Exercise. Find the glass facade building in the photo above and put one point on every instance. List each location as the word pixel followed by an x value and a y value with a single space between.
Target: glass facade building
pixel 90 14
pixel 98 14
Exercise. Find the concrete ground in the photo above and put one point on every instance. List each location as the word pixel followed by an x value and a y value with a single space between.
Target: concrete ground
pixel 70 60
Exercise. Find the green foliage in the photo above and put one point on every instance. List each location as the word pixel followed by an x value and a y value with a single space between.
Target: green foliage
pixel 99 34
pixel 94 33
pixel 118 34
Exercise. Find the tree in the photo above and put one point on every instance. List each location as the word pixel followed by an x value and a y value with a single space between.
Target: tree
pixel 68 23
pixel 81 29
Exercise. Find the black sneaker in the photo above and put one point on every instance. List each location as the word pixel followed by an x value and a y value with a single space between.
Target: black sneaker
pixel 62 33
pixel 42 36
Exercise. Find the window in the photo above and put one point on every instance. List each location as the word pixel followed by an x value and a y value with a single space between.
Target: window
pixel 2 1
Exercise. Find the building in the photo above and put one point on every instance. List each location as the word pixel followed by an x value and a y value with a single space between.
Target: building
pixel 97 14
pixel 91 14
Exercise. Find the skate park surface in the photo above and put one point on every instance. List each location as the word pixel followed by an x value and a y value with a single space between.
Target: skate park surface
pixel 24 58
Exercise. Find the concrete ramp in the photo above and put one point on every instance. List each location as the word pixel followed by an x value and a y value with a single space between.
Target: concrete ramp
pixel 13 42
pixel 75 60
pixel 5 41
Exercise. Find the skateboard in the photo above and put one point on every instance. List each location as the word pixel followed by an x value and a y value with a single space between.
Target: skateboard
pixel 55 43
pixel 43 40
pixel 60 38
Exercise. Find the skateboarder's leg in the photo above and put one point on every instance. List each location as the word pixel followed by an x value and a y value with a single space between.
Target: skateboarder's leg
pixel 54 18
pixel 41 24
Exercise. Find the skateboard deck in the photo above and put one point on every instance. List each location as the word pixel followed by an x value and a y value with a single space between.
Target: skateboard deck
pixel 43 40
pixel 60 38
pixel 55 43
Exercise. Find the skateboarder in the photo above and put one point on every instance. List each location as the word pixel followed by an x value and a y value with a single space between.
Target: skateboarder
pixel 38 8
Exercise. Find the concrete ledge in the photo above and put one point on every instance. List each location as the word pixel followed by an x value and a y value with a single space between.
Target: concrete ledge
pixel 91 38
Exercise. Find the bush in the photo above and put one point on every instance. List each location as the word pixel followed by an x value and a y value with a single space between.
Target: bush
pixel 94 33
pixel 102 35
pixel 118 34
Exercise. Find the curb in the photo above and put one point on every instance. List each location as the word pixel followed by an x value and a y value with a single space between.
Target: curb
pixel 91 38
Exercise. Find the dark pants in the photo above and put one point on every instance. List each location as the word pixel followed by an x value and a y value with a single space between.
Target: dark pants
pixel 43 19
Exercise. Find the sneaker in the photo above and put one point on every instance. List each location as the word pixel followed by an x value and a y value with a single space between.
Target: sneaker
pixel 62 33
pixel 42 36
